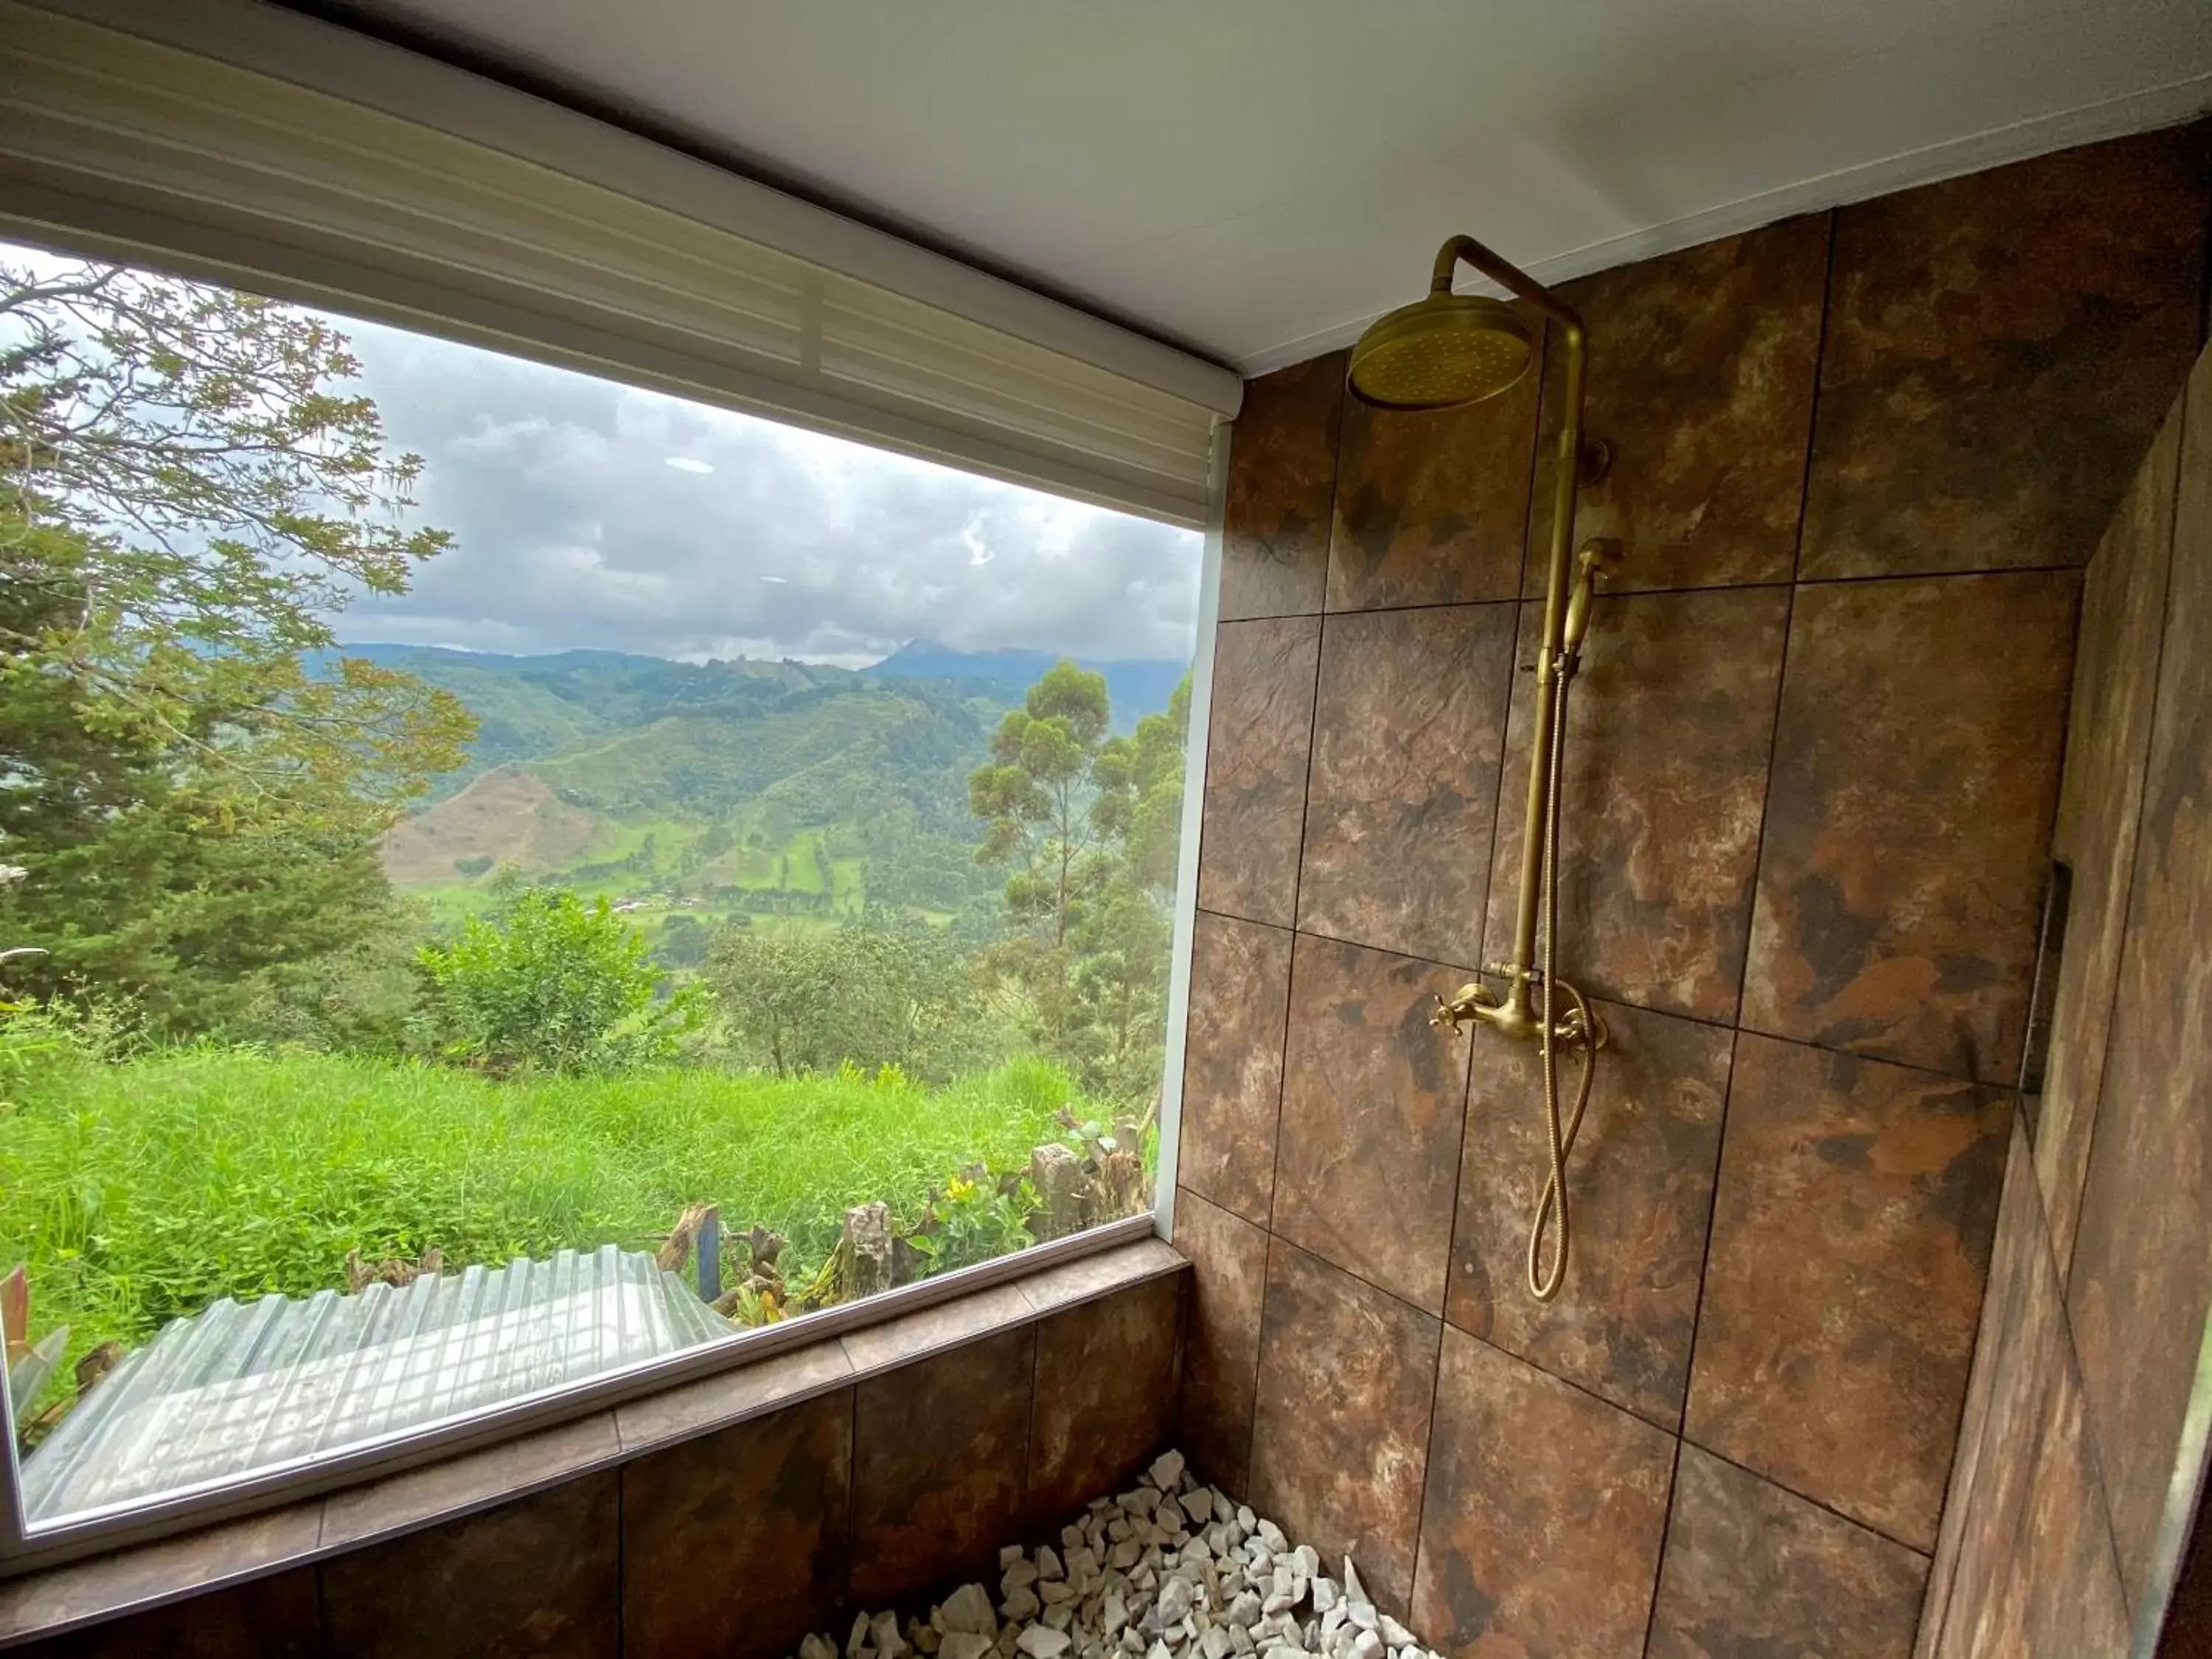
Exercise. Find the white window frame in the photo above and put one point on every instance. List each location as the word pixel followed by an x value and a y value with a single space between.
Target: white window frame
pixel 135 232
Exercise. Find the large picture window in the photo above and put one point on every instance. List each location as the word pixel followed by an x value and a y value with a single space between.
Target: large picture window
pixel 505 876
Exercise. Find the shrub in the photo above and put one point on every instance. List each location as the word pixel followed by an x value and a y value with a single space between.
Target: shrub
pixel 557 984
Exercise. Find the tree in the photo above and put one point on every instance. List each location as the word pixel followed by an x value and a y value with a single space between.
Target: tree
pixel 1140 801
pixel 1091 826
pixel 187 493
pixel 1032 797
pixel 557 984
pixel 809 999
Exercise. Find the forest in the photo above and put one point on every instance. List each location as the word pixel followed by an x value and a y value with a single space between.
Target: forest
pixel 317 958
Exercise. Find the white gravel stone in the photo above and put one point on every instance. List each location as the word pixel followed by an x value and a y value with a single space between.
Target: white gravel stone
pixel 1168 1569
pixel 968 1608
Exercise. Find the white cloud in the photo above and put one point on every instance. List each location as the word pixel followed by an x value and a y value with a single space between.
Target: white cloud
pixel 570 531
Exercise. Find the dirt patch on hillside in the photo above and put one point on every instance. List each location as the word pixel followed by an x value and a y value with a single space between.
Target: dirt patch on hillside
pixel 507 815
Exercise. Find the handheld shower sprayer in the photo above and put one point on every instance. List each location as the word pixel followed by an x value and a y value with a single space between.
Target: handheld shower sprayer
pixel 1439 352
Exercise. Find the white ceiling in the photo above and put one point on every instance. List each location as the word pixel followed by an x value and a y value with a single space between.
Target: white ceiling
pixel 1254 178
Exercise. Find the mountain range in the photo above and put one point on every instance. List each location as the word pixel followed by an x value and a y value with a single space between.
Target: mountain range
pixel 751 789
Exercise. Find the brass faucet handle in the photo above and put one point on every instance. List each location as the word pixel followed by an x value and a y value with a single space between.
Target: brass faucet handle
pixel 1463 1006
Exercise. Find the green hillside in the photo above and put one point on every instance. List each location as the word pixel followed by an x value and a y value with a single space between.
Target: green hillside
pixel 782 794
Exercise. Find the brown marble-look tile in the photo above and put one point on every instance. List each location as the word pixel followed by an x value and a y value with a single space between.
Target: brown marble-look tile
pixel 1851 1245
pixel 1701 372
pixel 1105 1394
pixel 734 1545
pixel 939 1452
pixel 1431 507
pixel 1408 729
pixel 1221 1337
pixel 874 1349
pixel 534 1577
pixel 1670 724
pixel 1104 1273
pixel 2001 350
pixel 273 1618
pixel 1753 1570
pixel 716 1403
pixel 1540 1530
pixel 1232 1075
pixel 2025 1565
pixel 2147 1206
pixel 474 1480
pixel 1282 476
pixel 1260 739
pixel 1373 1104
pixel 1341 1433
pixel 209 1558
pixel 2099 805
pixel 1916 765
pixel 1640 1187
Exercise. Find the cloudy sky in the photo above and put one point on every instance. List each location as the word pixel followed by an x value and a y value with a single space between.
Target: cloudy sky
pixel 588 513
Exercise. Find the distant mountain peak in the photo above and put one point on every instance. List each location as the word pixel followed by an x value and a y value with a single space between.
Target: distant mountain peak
pixel 1136 685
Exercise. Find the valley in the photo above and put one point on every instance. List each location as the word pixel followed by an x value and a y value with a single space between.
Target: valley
pixel 770 794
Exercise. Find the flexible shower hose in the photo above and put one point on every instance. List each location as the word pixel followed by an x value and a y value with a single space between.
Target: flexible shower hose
pixel 1544 1284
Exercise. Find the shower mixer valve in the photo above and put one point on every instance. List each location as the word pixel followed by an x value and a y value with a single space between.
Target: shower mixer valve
pixel 1514 1015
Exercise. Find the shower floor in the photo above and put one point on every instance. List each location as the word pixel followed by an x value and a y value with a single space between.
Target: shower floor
pixel 1168 1569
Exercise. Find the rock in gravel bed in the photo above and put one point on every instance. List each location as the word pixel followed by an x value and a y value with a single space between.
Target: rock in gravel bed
pixel 1170 1569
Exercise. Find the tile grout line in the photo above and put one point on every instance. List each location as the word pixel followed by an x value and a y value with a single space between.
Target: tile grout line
pixel 1706 1021
pixel 622 1557
pixel 1925 1556
pixel 1298 876
pixel 1847 581
pixel 1759 852
pixel 1482 941
pixel 1659 1561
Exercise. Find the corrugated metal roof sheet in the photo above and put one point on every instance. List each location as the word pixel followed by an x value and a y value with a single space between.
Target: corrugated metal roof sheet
pixel 240 1386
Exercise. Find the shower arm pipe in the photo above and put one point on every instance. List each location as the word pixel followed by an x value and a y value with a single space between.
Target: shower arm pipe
pixel 1516 1015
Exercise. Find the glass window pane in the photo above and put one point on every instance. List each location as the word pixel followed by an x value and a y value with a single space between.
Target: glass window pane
pixel 507 877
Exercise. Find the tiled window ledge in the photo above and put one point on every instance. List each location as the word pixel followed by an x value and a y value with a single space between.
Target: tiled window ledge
pixel 62 1598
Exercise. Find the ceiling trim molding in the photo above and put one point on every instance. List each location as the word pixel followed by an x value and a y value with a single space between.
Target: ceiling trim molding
pixel 2138 112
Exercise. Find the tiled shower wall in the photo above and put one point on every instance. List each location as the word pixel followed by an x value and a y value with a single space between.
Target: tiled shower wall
pixel 1858 461
pixel 2098 1290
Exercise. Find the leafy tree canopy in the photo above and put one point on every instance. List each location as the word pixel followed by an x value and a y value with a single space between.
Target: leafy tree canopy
pixel 188 492
pixel 559 985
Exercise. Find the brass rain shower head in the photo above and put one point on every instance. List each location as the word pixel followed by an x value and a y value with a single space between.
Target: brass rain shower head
pixel 1442 351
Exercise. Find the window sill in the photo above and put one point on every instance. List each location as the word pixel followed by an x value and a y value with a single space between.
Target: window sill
pixel 49 1600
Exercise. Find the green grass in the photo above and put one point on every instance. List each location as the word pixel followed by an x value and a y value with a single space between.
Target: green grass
pixel 140 1191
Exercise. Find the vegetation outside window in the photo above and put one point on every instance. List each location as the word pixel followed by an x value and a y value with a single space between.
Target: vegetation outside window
pixel 504 876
